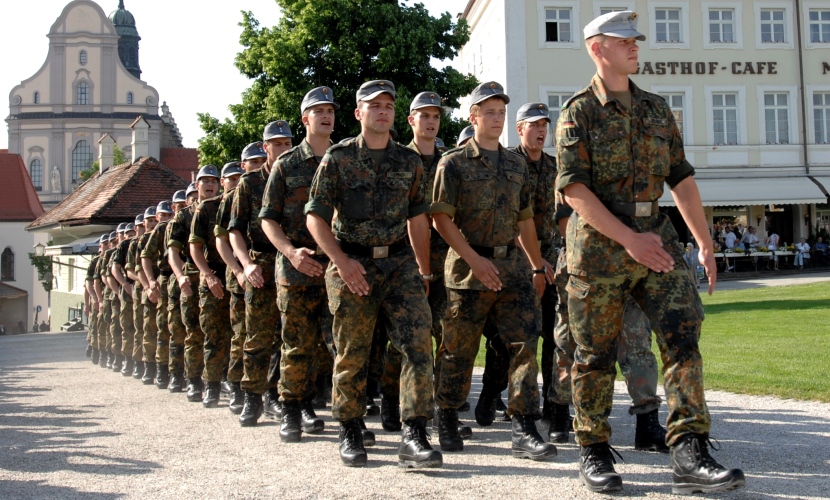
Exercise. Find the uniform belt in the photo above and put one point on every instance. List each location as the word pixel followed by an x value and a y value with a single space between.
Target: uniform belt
pixel 494 252
pixel 313 246
pixel 638 209
pixel 380 252
pixel 263 247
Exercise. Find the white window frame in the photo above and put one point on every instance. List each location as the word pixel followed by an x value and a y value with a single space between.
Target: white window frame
pixel 708 90
pixel 792 110
pixel 737 20
pixel 787 7
pixel 544 92
pixel 688 108
pixel 576 29
pixel 811 126
pixel 813 5
pixel 612 4
pixel 685 35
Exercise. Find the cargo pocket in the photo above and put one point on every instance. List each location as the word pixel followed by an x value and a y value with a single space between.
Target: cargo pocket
pixel 282 303
pixel 577 288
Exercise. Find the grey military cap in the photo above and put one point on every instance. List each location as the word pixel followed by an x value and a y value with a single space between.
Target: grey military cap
pixel 105 238
pixel 466 134
pixel 533 111
pixel 179 196
pixel 374 88
pixel 319 95
pixel 276 129
pixel 121 227
pixel 621 24
pixel 253 150
pixel 487 90
pixel 113 236
pixel 425 100
pixel 129 227
pixel 139 219
pixel 149 212
pixel 231 168
pixel 208 171
pixel 191 188
pixel 164 207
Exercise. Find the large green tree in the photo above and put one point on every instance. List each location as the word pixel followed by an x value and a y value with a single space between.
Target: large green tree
pixel 339 43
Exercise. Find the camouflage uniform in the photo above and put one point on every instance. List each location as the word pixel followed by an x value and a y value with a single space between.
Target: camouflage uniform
pixel 262 322
pixel 125 317
pixel 236 292
pixel 625 158
pixel 373 205
pixel 138 308
pixel 178 235
pixel 92 335
pixel 174 314
pixel 147 308
pixel 302 299
pixel 114 336
pixel 155 250
pixel 104 312
pixel 214 315
pixel 486 203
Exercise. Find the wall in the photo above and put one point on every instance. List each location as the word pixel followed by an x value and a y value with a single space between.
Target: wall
pixel 25 275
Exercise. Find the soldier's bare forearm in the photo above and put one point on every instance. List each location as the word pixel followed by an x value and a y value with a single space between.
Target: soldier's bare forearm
pixel 240 248
pixel 530 244
pixel 418 228
pixel 588 206
pixel 321 232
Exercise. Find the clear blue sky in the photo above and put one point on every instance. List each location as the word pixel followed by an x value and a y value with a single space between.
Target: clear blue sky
pixel 186 52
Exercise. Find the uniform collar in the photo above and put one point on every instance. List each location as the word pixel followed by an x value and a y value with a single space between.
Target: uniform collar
pixel 599 90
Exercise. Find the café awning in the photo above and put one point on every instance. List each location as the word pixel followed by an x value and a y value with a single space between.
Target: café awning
pixel 755 191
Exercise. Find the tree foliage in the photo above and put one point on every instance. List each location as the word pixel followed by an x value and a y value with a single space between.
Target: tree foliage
pixel 341 44
pixel 118 158
pixel 44 269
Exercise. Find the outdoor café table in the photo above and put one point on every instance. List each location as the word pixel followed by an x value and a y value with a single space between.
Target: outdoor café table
pixel 733 256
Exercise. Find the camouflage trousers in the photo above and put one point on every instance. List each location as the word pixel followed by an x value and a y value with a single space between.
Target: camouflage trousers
pixel 515 314
pixel 236 365
pixel 92 333
pixel 104 319
pixel 175 326
pixel 305 316
pixel 115 326
pixel 597 309
pixel 127 321
pixel 149 312
pixel 398 298
pixel 214 320
pixel 194 340
pixel 262 326
pixel 138 323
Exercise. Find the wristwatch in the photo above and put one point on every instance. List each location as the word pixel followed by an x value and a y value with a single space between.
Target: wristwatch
pixel 428 277
pixel 539 271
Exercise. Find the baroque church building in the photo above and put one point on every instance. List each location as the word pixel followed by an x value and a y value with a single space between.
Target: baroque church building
pixel 88 86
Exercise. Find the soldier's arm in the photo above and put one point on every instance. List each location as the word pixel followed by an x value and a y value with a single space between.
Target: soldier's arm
pixel 174 257
pixel 118 274
pixel 687 198
pixel 99 291
pixel 197 253
pixel 349 269
pixel 223 246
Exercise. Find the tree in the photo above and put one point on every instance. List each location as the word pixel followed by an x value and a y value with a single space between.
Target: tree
pixel 341 44
pixel 118 158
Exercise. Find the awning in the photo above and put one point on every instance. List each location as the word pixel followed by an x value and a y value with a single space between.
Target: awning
pixel 754 191
pixel 87 246
pixel 824 182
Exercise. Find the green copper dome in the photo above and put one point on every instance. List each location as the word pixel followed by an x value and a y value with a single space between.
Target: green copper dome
pixel 123 21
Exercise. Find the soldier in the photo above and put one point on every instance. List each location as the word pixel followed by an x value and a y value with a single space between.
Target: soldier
pixel 481 203
pixel 616 146
pixel 262 340
pixel 148 309
pixel 133 262
pixel 103 305
pixel 94 304
pixel 302 299
pixel 126 319
pixel 115 301
pixel 377 189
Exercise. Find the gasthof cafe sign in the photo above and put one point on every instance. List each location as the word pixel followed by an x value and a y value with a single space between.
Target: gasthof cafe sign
pixel 707 68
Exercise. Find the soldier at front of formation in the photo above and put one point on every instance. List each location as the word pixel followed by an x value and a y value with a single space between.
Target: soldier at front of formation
pixel 214 301
pixel 138 289
pixel 94 304
pixel 103 305
pixel 302 299
pixel 377 190
pixel 616 147
pixel 482 202
pixel 115 300
pixel 148 308
pixel 125 318
pixel 262 341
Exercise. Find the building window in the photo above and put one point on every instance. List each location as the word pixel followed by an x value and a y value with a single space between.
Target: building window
pixel 675 102
pixel 82 58
pixel 819 26
pixel 557 25
pixel 555 102
pixel 608 10
pixel 37 97
pixel 36 172
pixel 81 159
pixel 7 265
pixel 722 26
pixel 821 116
pixel 667 24
pixel 772 26
pixel 776 118
pixel 129 97
pixel 725 118
pixel 83 93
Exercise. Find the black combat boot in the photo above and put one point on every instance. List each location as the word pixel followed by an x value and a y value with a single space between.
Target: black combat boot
pixel 448 436
pixel 501 409
pixel 527 443
pixel 547 412
pixel 236 399
pixel 311 423
pixel 194 389
pixel 320 387
pixel 118 363
pixel 465 407
pixel 89 350
pixel 225 387
pixel 273 405
pixel 560 423
pixel 485 409
pixel 162 377
pixel 368 436
pixel 127 368
pixel 176 382
pixel 291 428
pixel 415 451
pixel 372 408
pixel 463 430
pixel 650 435
pixel 110 359
pixel 212 395
pixel 252 410
pixel 149 375
pixel 352 451
pixel 695 471
pixel 95 356
pixel 138 370
pixel 390 415
pixel 596 468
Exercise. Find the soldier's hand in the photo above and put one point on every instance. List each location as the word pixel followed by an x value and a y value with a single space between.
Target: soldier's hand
pixel 184 285
pixel 153 295
pixel 539 283
pixel 302 259
pixel 550 273
pixel 352 273
pixel 240 277
pixel 254 275
pixel 215 285
pixel 706 257
pixel 486 272
pixel 647 249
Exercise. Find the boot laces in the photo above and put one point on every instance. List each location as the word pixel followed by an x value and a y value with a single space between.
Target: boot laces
pixel 418 433
pixel 599 457
pixel 699 447
pixel 352 434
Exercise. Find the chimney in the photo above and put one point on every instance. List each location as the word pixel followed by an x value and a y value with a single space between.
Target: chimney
pixel 106 152
pixel 141 138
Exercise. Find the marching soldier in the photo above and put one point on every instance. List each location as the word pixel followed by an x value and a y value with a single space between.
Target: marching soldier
pixel 94 304
pixel 115 301
pixel 138 290
pixel 125 294
pixel 148 308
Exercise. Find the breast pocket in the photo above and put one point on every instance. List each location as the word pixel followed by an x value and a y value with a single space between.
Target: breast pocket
pixel 296 190
pixel 395 194
pixel 656 149
pixel 611 155
pixel 478 190
pixel 357 200
pixel 513 189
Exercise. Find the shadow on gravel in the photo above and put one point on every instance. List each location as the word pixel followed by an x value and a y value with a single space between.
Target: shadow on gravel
pixel 11 490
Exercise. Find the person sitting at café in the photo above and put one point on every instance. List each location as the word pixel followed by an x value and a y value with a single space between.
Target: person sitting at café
pixel 729 240
pixel 802 253
pixel 772 246
pixel 692 260
pixel 820 251
pixel 749 239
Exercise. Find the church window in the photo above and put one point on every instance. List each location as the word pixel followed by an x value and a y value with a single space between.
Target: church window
pixel 37 97
pixel 36 172
pixel 129 97
pixel 83 93
pixel 7 265
pixel 81 159
pixel 82 58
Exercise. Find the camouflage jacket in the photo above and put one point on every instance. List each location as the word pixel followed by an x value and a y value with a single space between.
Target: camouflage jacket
pixel 220 230
pixel 91 270
pixel 543 186
pixel 437 246
pixel 178 234
pixel 156 250
pixel 247 202
pixel 202 231
pixel 139 249
pixel 106 270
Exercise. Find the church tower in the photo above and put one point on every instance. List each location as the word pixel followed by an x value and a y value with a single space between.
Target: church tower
pixel 124 23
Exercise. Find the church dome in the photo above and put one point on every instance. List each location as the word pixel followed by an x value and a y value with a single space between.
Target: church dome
pixel 123 20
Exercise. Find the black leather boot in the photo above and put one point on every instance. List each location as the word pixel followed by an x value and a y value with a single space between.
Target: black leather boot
pixel 138 370
pixel 225 386
pixel 252 410
pixel 127 367
pixel 88 350
pixel 695 471
pixel 320 387
pixel 368 436
pixel 352 451
pixel 291 428
pixel 273 405
pixel 448 436
pixel 650 435
pixel 117 362
pixel 95 356
pixel 162 378
pixel 110 360
pixel 596 468
pixel 212 395
pixel 527 443
pixel 311 423
pixel 149 375
pixel 485 409
pixel 236 399
pixel 390 415
pixel 501 409
pixel 547 412
pixel 372 408
pixel 415 451
pixel 176 382
pixel 560 423
pixel 465 407
pixel 463 430
pixel 194 389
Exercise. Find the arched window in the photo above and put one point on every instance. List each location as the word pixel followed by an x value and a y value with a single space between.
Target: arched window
pixel 129 97
pixel 37 97
pixel 83 93
pixel 82 57
pixel 81 159
pixel 7 265
pixel 36 172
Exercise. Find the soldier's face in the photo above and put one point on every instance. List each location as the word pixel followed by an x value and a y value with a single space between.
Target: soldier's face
pixel 231 182
pixel 192 198
pixel 275 147
pixel 208 187
pixel 319 119
pixel 164 217
pixel 376 116
pixel 533 134
pixel 253 164
pixel 489 121
pixel 618 55
pixel 178 206
pixel 425 122
pixel 150 224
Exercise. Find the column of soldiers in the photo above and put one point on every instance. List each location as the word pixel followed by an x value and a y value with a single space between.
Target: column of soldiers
pixel 316 256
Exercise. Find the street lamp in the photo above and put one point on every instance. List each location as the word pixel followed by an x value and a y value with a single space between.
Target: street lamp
pixel 39 249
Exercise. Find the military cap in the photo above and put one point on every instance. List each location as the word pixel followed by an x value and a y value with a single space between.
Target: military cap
pixel 487 90
pixel 425 100
pixel 208 171
pixel 150 212
pixel 622 24
pixel 319 95
pixel 179 196
pixel 253 150
pixel 139 219
pixel 105 238
pixel 191 188
pixel 164 207
pixel 439 143
pixel 121 227
pixel 231 168
pixel 113 236
pixel 374 88
pixel 466 134
pixel 532 112
pixel 129 227
pixel 275 129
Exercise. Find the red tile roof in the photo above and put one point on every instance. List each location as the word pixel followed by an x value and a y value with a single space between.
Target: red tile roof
pixel 19 201
pixel 182 161
pixel 116 195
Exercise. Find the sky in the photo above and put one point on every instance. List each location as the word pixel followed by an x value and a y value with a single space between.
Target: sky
pixel 186 51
